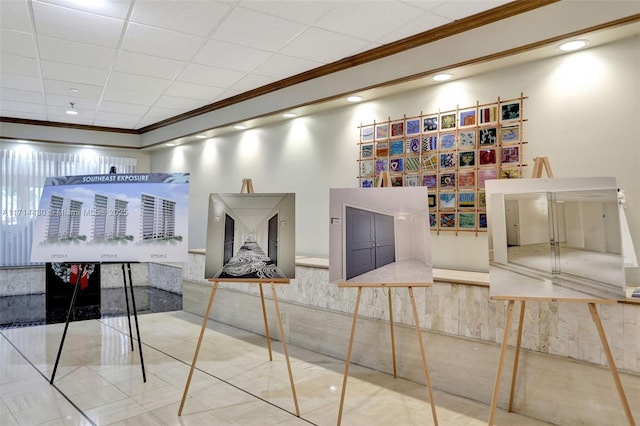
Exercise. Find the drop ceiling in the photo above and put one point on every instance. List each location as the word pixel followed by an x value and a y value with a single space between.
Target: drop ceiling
pixel 136 64
pixel 132 63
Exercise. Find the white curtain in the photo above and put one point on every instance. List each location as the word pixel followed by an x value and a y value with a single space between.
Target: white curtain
pixel 22 176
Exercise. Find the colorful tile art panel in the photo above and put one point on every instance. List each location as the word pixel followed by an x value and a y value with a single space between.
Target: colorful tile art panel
pixel 452 153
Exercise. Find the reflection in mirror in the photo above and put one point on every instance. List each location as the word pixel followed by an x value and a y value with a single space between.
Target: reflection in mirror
pixel 572 232
pixel 565 232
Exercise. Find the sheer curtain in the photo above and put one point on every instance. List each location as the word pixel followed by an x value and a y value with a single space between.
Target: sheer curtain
pixel 22 176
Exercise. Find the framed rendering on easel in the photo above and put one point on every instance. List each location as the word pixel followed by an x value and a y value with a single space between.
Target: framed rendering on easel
pixel 450 152
pixel 251 237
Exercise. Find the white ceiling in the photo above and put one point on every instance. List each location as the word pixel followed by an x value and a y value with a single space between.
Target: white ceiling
pixel 252 209
pixel 133 63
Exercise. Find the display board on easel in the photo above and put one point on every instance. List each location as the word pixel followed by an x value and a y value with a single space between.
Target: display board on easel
pixel 570 223
pixel 239 226
pixel 379 238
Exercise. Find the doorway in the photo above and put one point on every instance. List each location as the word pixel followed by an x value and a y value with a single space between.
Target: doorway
pixel 272 246
pixel 370 241
pixel 229 228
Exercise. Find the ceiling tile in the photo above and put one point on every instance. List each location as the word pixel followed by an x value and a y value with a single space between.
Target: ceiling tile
pixel 209 76
pixel 129 96
pixel 14 15
pixel 366 19
pixel 161 43
pixel 128 124
pixel 259 31
pixel 231 56
pixel 454 9
pixel 74 25
pixel 114 117
pixel 13 64
pixel 122 108
pixel 112 8
pixel 305 12
pixel 15 106
pixel 193 91
pixel 80 104
pixel 324 46
pixel 137 63
pixel 17 43
pixel 21 95
pixel 24 115
pixel 57 114
pixel 252 81
pixel 119 80
pixel 19 81
pixel 281 66
pixel 69 52
pixel 420 24
pixel 183 104
pixel 64 88
pixel 73 73
pixel 192 17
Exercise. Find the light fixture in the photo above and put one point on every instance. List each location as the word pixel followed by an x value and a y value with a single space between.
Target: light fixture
pixel 201 136
pixel 289 115
pixel 74 90
pixel 354 98
pixel 71 111
pixel 572 45
pixel 239 127
pixel 442 77
pixel 170 144
pixel 22 141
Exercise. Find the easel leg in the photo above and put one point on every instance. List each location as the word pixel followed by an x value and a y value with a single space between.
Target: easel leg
pixel 503 352
pixel 284 347
pixel 393 340
pixel 126 300
pixel 612 364
pixel 135 317
pixel 424 356
pixel 66 326
pixel 195 355
pixel 514 377
pixel 348 360
pixel 266 323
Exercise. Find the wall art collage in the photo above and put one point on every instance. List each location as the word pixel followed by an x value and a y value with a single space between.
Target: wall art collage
pixel 452 153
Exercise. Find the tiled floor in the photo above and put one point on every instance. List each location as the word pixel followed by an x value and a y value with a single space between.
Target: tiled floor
pixel 99 380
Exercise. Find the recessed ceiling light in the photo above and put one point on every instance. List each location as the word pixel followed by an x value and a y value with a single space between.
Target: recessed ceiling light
pixel 71 111
pixel 572 45
pixel 22 141
pixel 201 136
pixel 239 127
pixel 442 77
pixel 170 144
pixel 289 115
pixel 354 98
pixel 74 90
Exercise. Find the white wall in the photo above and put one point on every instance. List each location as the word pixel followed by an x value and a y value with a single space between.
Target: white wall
pixel 582 111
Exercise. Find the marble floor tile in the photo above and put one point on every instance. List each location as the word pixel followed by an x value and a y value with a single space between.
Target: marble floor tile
pixel 99 380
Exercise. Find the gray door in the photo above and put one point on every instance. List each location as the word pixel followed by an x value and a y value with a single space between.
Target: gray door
pixel 229 231
pixel 385 240
pixel 272 249
pixel 370 241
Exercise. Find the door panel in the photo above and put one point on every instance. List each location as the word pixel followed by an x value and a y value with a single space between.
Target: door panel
pixel 229 228
pixel 370 241
pixel 385 240
pixel 360 250
pixel 272 249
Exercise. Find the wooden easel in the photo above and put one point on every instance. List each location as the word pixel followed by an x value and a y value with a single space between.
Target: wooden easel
pixel 247 186
pixel 389 286
pixel 505 342
pixel 384 179
pixel 539 164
